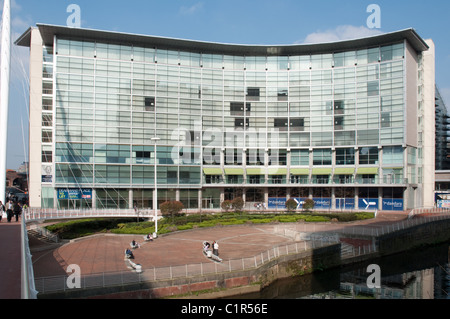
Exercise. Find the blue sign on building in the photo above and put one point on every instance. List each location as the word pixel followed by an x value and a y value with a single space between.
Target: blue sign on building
pixel 277 203
pixel 345 203
pixel 368 203
pixel 322 203
pixel 393 204
pixel 74 194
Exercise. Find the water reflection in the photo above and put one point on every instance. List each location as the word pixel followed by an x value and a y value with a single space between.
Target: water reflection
pixel 422 274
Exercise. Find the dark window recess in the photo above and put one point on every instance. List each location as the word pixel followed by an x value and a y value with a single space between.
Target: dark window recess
pixel 240 122
pixel 297 124
pixel 47 156
pixel 254 179
pixel 338 107
pixel 282 94
pixel 237 108
pixel 143 154
pixel 338 122
pixel 253 94
pixel 385 120
pixel 150 104
pixel 281 123
pixel 172 177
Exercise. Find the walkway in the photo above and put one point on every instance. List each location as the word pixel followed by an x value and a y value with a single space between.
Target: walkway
pixel 105 253
pixel 10 260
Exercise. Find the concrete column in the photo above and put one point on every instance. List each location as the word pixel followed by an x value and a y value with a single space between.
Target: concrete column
pixel 94 198
pixel 130 199
pixel 429 129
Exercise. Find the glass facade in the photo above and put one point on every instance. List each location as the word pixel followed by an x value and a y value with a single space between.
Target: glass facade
pixel 271 125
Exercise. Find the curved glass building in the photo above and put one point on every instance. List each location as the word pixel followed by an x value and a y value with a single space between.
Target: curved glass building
pixel 348 124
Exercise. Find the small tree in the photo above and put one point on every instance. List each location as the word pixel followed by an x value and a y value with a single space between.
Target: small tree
pixel 238 204
pixel 171 208
pixel 308 204
pixel 291 205
pixel 226 205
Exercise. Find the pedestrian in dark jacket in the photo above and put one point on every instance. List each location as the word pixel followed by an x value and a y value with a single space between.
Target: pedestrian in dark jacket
pixel 2 210
pixel 17 210
pixel 9 210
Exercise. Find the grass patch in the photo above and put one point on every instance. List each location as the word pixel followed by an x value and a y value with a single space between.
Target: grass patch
pixel 85 227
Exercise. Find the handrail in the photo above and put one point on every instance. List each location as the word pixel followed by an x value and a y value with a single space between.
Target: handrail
pixel 28 288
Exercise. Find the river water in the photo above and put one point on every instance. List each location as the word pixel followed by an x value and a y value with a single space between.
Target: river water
pixel 420 274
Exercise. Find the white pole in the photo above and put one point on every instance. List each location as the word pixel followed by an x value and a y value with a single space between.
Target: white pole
pixel 4 91
pixel 155 193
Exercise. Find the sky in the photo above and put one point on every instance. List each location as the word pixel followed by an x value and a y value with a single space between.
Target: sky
pixel 266 22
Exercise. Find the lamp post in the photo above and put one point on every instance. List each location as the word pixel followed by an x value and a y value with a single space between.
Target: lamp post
pixel 155 193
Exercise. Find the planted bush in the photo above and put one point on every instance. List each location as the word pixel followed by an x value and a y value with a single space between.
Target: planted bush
pixel 237 204
pixel 308 204
pixel 171 208
pixel 226 205
pixel 291 205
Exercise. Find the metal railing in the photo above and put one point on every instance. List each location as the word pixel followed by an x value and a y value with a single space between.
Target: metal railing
pixel 28 289
pixel 314 236
pixel 35 214
pixel 109 279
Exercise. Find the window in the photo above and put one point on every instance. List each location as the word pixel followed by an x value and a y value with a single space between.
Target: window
pixel 46 155
pixel 338 107
pixel 297 124
pixel 282 94
pixel 281 123
pixel 368 156
pixel 47 120
pixel 338 122
pixel 393 155
pixel 254 179
pixel 47 136
pixel 253 94
pixel 373 88
pixel 322 157
pixel 233 157
pixel 345 156
pixel 150 104
pixel 385 119
pixel 237 108
pixel 277 179
pixel 213 179
pixel 240 123
pixel 300 157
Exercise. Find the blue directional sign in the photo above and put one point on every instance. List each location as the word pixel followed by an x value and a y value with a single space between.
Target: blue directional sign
pixel 368 203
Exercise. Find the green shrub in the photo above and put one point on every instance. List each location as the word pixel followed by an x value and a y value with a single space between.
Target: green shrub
pixel 226 205
pixel 308 204
pixel 291 205
pixel 171 208
pixel 237 204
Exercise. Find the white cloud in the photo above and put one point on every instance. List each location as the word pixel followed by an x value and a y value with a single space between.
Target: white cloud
pixel 342 32
pixel 192 9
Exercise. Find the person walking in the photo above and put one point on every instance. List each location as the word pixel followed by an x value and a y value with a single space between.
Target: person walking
pixel 2 210
pixel 17 210
pixel 9 210
pixel 216 248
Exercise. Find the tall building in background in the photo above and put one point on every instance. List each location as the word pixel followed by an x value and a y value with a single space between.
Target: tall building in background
pixel 350 124
pixel 442 134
